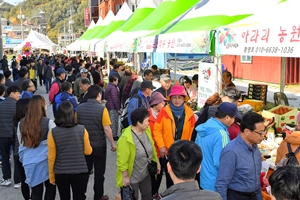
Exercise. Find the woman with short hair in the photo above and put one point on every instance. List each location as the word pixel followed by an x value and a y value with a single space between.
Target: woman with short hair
pixel 132 159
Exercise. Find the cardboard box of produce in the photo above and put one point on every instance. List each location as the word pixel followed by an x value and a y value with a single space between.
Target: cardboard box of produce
pixel 256 104
pixel 282 114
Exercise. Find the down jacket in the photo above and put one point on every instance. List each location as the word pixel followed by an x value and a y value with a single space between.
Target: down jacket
pixel 164 127
pixel 112 95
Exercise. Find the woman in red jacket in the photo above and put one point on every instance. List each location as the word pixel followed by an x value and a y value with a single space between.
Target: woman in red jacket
pixel 157 102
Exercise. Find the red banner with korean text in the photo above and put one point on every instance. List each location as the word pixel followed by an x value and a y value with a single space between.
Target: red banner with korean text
pixel 280 40
pixel 87 20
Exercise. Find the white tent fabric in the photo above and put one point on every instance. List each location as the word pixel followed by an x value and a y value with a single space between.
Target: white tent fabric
pixel 123 15
pixel 78 44
pixel 37 40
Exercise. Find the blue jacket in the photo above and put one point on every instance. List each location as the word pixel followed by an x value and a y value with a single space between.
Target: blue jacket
pixel 65 96
pixel 35 163
pixel 134 104
pixel 25 94
pixel 212 137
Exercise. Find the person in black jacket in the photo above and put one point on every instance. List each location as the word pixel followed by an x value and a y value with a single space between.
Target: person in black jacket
pixel 185 159
pixel 7 110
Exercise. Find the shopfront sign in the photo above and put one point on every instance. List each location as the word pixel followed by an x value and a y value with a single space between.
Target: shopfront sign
pixel 87 20
pixel 282 40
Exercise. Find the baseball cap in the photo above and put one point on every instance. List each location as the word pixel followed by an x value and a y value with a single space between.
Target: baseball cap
pixel 83 70
pixel 60 70
pixel 229 109
pixel 147 84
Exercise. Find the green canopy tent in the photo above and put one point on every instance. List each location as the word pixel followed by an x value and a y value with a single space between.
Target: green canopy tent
pixel 76 45
pixel 190 32
pixel 164 13
pixel 90 28
pixel 144 8
pixel 122 16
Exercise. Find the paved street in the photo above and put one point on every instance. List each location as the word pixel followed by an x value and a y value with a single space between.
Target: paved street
pixel 9 193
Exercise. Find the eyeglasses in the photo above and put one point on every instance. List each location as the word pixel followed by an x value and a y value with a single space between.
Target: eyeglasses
pixel 259 133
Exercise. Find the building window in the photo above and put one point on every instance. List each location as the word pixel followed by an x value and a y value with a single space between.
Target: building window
pixel 246 59
pixel 133 8
pixel 19 33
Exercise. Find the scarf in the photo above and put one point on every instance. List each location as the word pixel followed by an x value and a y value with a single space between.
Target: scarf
pixel 177 111
pixel 154 113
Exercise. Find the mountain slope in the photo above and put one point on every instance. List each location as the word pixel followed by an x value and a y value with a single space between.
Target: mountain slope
pixel 57 12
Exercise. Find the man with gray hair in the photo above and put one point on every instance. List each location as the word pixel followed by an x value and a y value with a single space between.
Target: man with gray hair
pixel 231 95
pixel 234 129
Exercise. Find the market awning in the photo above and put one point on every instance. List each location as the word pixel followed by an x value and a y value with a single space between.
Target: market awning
pixel 164 13
pixel 144 8
pixel 271 32
pixel 190 32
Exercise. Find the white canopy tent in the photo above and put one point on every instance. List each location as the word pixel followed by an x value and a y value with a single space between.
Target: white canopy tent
pixel 38 41
pixel 76 45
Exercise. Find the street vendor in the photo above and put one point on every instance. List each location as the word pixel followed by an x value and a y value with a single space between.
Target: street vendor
pixel 227 80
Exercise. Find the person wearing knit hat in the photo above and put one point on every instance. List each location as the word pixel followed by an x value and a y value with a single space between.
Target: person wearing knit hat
pixel 157 102
pixel 175 114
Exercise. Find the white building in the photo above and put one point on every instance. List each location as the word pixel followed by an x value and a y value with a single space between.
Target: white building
pixel 133 3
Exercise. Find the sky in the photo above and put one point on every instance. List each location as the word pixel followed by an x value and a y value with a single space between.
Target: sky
pixel 15 2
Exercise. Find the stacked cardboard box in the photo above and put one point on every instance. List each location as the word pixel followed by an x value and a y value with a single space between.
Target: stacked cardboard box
pixel 258 92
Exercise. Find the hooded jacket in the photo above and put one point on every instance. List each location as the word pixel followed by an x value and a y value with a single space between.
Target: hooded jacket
pixel 212 137
pixel 294 140
pixel 164 127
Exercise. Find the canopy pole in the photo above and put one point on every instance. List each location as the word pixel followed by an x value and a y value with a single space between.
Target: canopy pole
pixel 138 63
pixel 282 74
pixel 151 61
pixel 107 62
pixel 175 66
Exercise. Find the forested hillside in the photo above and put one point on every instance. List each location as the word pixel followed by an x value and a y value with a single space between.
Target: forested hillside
pixel 57 12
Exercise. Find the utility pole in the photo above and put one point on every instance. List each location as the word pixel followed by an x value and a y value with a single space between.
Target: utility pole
pixel 1 41
pixel 64 33
pixel 71 23
pixel 21 17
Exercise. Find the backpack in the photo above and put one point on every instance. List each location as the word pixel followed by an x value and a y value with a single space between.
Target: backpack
pixel 290 158
pixel 13 64
pixel 58 100
pixel 124 116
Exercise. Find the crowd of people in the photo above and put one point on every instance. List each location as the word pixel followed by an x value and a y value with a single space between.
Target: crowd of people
pixel 210 154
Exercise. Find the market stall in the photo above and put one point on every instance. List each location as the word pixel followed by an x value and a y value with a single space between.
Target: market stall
pixel 271 32
pixel 38 41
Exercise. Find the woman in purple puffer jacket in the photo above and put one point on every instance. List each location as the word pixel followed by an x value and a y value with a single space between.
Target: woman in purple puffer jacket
pixel 113 104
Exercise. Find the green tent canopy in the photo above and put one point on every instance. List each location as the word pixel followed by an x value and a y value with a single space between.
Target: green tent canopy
pixel 90 28
pixel 205 16
pixel 107 20
pixel 144 8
